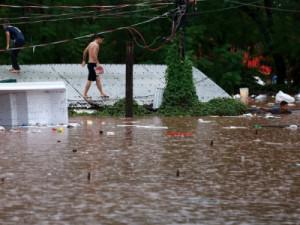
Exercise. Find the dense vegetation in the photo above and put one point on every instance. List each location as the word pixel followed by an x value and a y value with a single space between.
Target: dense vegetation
pixel 217 106
pixel 218 33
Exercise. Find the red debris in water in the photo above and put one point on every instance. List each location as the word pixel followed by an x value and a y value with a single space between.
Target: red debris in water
pixel 180 134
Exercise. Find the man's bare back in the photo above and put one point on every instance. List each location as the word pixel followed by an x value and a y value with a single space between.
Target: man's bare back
pixel 92 49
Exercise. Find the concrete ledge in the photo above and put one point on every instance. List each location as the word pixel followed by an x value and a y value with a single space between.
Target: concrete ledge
pixel 31 103
pixel 32 86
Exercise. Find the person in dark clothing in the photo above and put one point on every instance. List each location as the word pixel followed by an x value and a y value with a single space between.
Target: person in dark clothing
pixel 276 110
pixel 14 34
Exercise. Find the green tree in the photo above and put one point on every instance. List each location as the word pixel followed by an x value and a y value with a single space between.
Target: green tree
pixel 180 90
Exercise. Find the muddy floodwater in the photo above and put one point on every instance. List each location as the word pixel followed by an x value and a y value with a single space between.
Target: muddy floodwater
pixel 152 170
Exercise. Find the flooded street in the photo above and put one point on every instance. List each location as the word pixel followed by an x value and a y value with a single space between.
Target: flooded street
pixel 152 170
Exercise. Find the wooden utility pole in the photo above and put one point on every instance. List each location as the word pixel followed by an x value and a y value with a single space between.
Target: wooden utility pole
pixel 182 23
pixel 129 79
pixel 184 28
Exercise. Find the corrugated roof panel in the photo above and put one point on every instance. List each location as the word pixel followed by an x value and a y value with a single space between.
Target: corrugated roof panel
pixel 147 79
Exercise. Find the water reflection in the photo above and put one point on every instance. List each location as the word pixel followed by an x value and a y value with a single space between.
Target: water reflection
pixel 244 177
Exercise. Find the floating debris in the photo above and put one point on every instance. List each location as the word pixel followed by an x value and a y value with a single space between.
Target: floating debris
pixel 177 173
pixel 234 127
pixel 257 127
pixel 272 117
pixel 152 127
pixel 204 121
pixel 293 127
pixel 89 122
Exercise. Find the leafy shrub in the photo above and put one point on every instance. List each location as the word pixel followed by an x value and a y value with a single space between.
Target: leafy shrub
pixel 217 106
pixel 225 107
pixel 118 109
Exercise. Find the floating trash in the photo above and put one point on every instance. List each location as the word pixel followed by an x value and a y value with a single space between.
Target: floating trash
pixel 293 127
pixel 73 125
pixel 272 117
pixel 204 121
pixel 247 115
pixel 2 128
pixel 257 127
pixel 234 127
pixel 152 127
pixel 297 164
pixel 60 130
pixel 89 122
pixel 110 133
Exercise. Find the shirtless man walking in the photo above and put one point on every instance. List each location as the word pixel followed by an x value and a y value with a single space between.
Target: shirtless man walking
pixel 92 49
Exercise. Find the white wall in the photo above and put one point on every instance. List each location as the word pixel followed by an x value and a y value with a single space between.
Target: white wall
pixel 19 106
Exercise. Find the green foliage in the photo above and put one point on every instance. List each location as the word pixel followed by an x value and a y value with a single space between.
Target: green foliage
pixel 248 79
pixel 211 32
pixel 180 89
pixel 217 106
pixel 224 67
pixel 118 109
pixel 225 107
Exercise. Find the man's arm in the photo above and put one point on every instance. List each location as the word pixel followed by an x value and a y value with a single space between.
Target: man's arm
pixel 7 39
pixel 95 54
pixel 84 56
pixel 264 109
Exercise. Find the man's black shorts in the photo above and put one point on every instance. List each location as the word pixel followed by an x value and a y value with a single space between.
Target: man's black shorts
pixel 92 73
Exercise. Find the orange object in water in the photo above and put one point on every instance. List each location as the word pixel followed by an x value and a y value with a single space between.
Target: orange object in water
pixel 54 130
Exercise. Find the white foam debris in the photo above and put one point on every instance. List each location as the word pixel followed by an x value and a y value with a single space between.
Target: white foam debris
pixel 234 127
pixel 152 127
pixel 204 121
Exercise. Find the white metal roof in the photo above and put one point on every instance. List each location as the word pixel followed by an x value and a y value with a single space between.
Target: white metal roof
pixel 147 78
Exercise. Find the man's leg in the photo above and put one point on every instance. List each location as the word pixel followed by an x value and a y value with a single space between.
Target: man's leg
pixel 14 60
pixel 14 56
pixel 98 83
pixel 87 87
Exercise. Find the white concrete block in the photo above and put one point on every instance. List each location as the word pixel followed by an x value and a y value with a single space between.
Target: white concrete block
pixel 32 103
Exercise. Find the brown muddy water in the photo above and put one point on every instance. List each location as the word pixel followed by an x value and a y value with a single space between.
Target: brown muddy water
pixel 224 172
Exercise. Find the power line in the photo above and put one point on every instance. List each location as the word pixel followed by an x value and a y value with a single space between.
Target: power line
pixel 90 16
pixel 222 9
pixel 88 6
pixel 165 15
pixel 264 7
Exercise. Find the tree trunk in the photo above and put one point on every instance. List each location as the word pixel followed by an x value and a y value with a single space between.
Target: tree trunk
pixel 280 67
